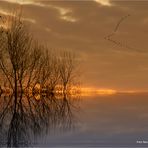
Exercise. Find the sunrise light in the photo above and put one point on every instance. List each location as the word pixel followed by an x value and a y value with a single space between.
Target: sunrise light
pixel 86 91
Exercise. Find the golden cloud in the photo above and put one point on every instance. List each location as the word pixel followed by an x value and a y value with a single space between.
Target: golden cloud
pixel 103 2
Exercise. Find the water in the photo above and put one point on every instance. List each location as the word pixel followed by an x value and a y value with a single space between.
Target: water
pixel 115 121
pixel 119 120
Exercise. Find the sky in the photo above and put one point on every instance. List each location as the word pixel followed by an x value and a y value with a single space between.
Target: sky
pixel 109 37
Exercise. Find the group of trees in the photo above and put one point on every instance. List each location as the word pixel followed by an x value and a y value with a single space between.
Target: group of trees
pixel 25 64
pixel 29 67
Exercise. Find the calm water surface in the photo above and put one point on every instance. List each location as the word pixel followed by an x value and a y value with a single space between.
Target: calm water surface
pixel 115 120
pixel 91 121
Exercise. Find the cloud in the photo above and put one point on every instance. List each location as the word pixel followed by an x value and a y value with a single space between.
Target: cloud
pixel 20 1
pixel 103 2
pixel 64 14
pixel 6 13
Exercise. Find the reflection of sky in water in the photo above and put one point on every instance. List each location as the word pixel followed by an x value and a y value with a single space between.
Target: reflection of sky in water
pixel 116 120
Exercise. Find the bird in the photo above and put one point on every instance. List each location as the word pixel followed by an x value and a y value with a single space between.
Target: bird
pixel 110 36
pixel 120 21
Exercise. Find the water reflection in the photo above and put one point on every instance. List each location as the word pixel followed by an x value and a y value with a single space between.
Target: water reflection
pixel 24 119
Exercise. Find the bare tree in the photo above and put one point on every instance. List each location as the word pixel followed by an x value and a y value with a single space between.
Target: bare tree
pixel 53 67
pixel 20 56
pixel 67 67
pixel 15 58
pixel 25 63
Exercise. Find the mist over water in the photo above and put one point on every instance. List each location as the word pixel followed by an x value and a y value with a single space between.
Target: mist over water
pixel 114 121
pixel 88 121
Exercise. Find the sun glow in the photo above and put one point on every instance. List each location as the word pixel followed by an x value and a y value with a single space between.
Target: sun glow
pixel 106 91
pixel 90 91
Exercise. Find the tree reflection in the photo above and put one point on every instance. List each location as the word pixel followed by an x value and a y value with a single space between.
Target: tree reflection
pixel 23 121
pixel 38 80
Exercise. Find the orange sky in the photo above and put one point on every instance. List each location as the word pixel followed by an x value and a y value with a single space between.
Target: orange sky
pixel 80 26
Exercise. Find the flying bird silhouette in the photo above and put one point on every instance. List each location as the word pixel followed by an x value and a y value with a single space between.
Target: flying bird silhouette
pixel 120 21
pixel 117 27
pixel 119 43
pixel 110 36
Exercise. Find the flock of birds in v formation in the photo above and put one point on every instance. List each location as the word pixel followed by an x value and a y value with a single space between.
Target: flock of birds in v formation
pixel 110 38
